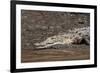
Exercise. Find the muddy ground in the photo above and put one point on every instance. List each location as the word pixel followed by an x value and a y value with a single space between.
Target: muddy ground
pixel 37 26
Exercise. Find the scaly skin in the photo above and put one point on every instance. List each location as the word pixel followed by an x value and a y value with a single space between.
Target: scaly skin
pixel 74 36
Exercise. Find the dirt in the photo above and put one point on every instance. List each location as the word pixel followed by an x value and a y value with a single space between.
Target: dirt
pixel 39 55
pixel 36 26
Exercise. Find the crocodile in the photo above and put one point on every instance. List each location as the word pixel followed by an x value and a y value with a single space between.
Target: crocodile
pixel 73 36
